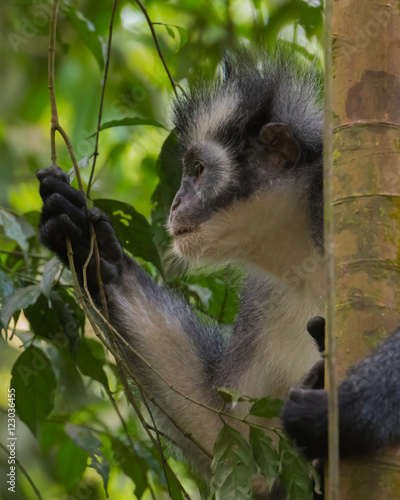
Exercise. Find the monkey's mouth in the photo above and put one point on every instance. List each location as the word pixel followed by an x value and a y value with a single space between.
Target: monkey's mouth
pixel 183 231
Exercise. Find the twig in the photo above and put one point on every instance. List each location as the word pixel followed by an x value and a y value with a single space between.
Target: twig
pixel 25 473
pixel 18 253
pixel 121 418
pixel 174 84
pixel 114 403
pixel 162 434
pixel 163 459
pixel 96 152
pixel 333 486
pixel 55 124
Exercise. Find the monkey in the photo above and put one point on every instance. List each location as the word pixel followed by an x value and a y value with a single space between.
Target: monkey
pixel 251 197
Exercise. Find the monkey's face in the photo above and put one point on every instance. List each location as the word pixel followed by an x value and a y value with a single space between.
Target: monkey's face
pixel 208 184
pixel 219 180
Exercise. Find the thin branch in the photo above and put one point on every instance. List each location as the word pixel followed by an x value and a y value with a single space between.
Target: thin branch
pixel 96 152
pixel 55 124
pixel 162 434
pixel 18 253
pixel 51 84
pixel 163 459
pixel 124 425
pixel 25 473
pixel 153 440
pixel 174 84
pixel 121 418
pixel 333 486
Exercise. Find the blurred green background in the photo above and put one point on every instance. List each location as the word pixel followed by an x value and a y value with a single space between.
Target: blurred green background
pixel 196 35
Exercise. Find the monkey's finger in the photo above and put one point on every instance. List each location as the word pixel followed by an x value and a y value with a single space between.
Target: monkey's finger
pixel 303 396
pixel 108 243
pixel 96 215
pixel 54 232
pixel 53 171
pixel 57 228
pixel 109 272
pixel 315 377
pixel 304 419
pixel 50 185
pixel 109 246
pixel 56 204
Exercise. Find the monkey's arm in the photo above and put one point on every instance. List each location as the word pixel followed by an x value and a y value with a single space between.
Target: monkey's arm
pixel 369 407
pixel 155 322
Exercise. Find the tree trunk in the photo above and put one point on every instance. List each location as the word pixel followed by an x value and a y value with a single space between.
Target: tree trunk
pixel 364 210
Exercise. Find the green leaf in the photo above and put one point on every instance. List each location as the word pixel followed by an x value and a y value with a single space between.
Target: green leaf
pixel 294 473
pixel 230 395
pixel 71 464
pixel 170 31
pixel 233 466
pixel 16 230
pixel 50 271
pixel 89 365
pixel 103 469
pixel 20 299
pixel 52 434
pixel 86 440
pixel 132 464
pixel 35 384
pixel 124 122
pixel 50 318
pixel 265 453
pixel 176 490
pixel 6 285
pixel 132 229
pixel 267 407
pixel 86 32
pixel 183 34
pixel 69 316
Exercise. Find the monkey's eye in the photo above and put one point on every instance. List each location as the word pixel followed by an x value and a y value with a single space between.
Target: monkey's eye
pixel 198 169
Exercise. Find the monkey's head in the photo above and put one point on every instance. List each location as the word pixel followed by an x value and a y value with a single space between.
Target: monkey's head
pixel 255 132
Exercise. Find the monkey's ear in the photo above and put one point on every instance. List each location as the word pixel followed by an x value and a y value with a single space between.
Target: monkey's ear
pixel 280 139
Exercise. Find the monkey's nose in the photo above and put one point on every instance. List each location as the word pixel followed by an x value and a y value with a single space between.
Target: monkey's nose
pixel 176 203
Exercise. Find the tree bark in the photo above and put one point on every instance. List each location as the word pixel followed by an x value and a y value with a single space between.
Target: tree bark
pixel 364 211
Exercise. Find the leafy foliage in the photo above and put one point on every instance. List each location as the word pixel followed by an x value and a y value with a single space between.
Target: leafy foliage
pixel 62 375
pixel 233 466
pixel 34 381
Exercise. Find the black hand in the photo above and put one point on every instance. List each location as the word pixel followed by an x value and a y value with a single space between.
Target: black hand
pixel 305 420
pixel 64 215
pixel 304 415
